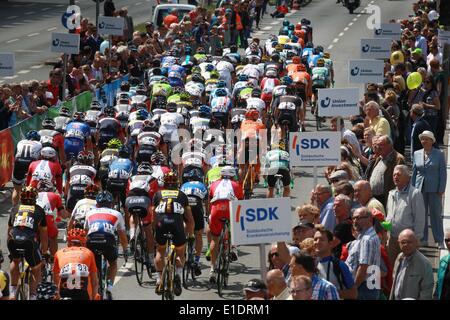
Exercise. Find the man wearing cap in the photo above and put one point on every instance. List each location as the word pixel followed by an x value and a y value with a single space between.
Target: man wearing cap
pixel 255 288
pixel 324 199
pixel 417 59
pixel 338 176
pixel 405 210
pixel 430 177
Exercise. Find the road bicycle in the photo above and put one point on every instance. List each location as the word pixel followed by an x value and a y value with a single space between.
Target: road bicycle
pixel 23 286
pixel 223 257
pixel 248 182
pixel 188 270
pixel 140 254
pixel 169 271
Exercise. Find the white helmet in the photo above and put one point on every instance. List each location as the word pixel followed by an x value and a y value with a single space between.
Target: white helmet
pixel 48 153
pixel 228 172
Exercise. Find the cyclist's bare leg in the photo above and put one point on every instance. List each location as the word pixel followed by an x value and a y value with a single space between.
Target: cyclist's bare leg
pixel 270 192
pixel 15 194
pixel 36 279
pixel 242 170
pixel 150 239
pixel 159 261
pixel 112 271
pixel 287 191
pixel 213 250
pixel 198 242
pixel 53 245
pixel 132 223
pixel 14 272
pixel 180 256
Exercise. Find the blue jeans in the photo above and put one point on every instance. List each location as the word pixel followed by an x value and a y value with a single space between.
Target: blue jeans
pixel 365 293
pixel 433 208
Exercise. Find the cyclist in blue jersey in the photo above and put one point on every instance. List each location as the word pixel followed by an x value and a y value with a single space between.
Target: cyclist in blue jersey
pixel 77 137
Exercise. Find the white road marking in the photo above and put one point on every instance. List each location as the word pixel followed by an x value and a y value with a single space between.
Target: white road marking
pixel 7 26
pixel 350 24
pixel 289 14
pixel 355 19
pixel 12 17
pixel 28 13
pixel 274 23
pixel 18 23
pixel 60 5
pixel 12 40
pixel 294 10
pixel 138 4
pixel 359 15
pixel 1 81
pixel 335 40
pixel 29 51
pixel 330 47
pixel 346 28
pixel 23 71
pixel 45 9
pixel 10 77
pixel 267 28
pixel 37 67
pixel 341 34
pixel 33 34
pixel 124 269
pixel 51 29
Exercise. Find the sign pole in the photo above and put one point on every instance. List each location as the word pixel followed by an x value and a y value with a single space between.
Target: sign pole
pixel 262 261
pixel 64 76
pixel 97 11
pixel 315 176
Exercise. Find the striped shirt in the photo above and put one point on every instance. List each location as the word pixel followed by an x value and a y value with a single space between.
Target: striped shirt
pixel 323 290
pixel 364 250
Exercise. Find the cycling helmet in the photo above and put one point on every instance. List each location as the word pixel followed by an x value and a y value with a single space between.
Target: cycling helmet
pixel 145 168
pixel 91 191
pixel 214 74
pixel 185 96
pixel 141 90
pixel 124 152
pixel 110 112
pixel 286 23
pixel 104 199
pixel 196 77
pixel 176 90
pixel 279 47
pixel 271 73
pixel 187 50
pixel 195 174
pixel 305 21
pixel 77 235
pixel 85 157
pixel 301 67
pixel 319 48
pixel 134 81
pixel 296 60
pixel 174 74
pixel 114 143
pixel 284 32
pixel 320 62
pixel 28 195
pixel 326 55
pixel 158 158
pixel 221 92
pixel 170 180
pixel 48 124
pixel 33 135
pixel 148 125
pixel 141 114
pixel 256 92
pixel 48 153
pixel 291 27
pixel 286 80
pixel 78 116
pixel 95 105
pixel 205 111
pixel 196 69
pixel 201 50
pixel 164 80
pixel 221 84
pixel 45 185
pixel 243 77
pixel 65 112
pixel 171 107
pixel 252 115
pixel 209 67
pixel 228 172
pixel 125 86
pixel 309 44
pixel 46 291
pixel 290 55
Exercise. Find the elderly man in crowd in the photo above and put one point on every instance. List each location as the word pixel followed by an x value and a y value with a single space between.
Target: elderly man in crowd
pixel 405 209
pixel 255 288
pixel 276 285
pixel 363 194
pixel 373 119
pixel 379 172
pixel 324 201
pixel 365 252
pixel 301 288
pixel 413 272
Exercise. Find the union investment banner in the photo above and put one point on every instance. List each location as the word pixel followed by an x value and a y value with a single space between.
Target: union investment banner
pixel 338 102
pixel 389 30
pixel 365 71
pixel 376 48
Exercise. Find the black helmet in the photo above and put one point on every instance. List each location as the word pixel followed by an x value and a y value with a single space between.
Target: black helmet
pixel 145 168
pixel 110 112
pixel 95 105
pixel 48 124
pixel 149 125
pixel 104 199
pixel 256 92
pixel 124 152
pixel 65 112
pixel 78 116
pixel 134 81
pixel 171 107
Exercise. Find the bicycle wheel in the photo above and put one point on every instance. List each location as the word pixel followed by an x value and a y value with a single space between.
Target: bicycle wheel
pixel 221 264
pixel 167 278
pixel 187 268
pixel 139 256
pixel 278 188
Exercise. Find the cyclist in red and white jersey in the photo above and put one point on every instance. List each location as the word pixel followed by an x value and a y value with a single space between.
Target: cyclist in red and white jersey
pixel 46 169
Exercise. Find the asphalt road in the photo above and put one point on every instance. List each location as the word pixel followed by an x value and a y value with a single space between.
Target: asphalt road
pixel 25 28
pixel 339 33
